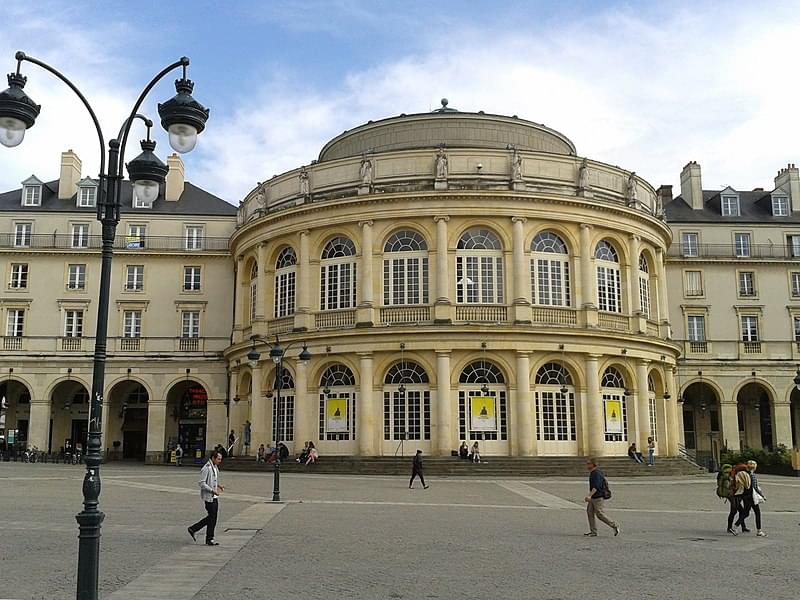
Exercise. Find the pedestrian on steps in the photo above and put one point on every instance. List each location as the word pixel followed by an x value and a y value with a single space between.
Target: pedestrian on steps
pixel 416 470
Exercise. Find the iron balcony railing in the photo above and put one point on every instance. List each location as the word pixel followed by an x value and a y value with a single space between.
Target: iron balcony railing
pixel 148 243
pixel 779 251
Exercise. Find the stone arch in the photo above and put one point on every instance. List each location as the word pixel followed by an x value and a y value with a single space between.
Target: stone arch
pixel 127 403
pixel 323 241
pixel 756 415
pixel 387 361
pixel 619 243
pixel 556 228
pixel 485 225
pixel 69 404
pixel 186 415
pixel 398 227
pixel 498 360
pixel 574 368
pixel 315 375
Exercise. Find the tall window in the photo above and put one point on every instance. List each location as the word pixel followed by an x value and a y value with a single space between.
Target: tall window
pixel 741 243
pixel 80 235
pixel 780 206
pixel 689 244
pixel 615 405
pixel 22 234
pixel 793 245
pixel 406 403
pixel 609 295
pixel 87 196
pixel 337 287
pixel 339 385
pixel 796 329
pixel 644 285
pixel 747 283
pixel 286 433
pixel 132 324
pixel 479 268
pixel 405 269
pixel 19 276
pixel 730 206
pixel 555 409
pixel 651 405
pixel 285 283
pixel 194 237
pixel 549 270
pixel 693 283
pixel 134 280
pixel 253 291
pixel 15 322
pixel 190 324
pixel 73 323
pixel 191 279
pixel 795 279
pixel 76 277
pixel 696 328
pixel 476 375
pixel 749 328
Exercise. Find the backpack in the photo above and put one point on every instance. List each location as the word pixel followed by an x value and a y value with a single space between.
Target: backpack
pixel 723 481
pixel 606 491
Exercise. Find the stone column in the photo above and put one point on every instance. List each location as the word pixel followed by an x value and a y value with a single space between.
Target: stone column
pixel 642 406
pixel 303 407
pixel 521 273
pixel 304 317
pixel 261 290
pixel 366 425
pixel 522 411
pixel 444 425
pixel 663 312
pixel 635 304
pixel 595 421
pixel 365 316
pixel 156 431
pixel 238 314
pixel 782 424
pixel 260 433
pixel 39 424
pixel 587 290
pixel 729 417
pixel 443 302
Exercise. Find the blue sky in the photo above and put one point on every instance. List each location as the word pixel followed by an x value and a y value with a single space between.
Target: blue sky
pixel 647 86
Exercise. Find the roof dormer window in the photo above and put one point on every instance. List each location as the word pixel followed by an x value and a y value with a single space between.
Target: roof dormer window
pixel 730 206
pixel 87 193
pixel 780 206
pixel 32 192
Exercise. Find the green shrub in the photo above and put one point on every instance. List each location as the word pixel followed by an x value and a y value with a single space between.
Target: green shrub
pixel 779 458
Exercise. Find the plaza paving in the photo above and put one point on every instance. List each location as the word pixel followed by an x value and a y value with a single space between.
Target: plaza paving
pixel 372 537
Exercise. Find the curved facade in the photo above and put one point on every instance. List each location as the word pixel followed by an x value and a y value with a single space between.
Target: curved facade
pixel 455 280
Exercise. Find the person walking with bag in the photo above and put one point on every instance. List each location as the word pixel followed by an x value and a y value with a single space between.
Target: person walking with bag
pixel 210 489
pixel 740 483
pixel 598 493
pixel 754 498
pixel 416 470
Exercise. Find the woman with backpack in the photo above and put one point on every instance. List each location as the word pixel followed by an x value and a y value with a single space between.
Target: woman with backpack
pixel 738 485
pixel 752 498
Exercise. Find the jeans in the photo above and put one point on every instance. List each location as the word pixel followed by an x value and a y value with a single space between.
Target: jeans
pixel 651 456
pixel 209 522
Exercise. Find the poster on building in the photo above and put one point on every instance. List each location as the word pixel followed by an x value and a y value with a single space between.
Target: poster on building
pixel 482 414
pixel 613 410
pixel 336 420
pixel 133 242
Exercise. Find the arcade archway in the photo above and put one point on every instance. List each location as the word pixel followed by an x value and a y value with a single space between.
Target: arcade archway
pixel 15 420
pixel 69 422
pixel 187 406
pixel 127 420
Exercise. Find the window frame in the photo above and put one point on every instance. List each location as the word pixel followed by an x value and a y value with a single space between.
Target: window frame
pixel 79 235
pixel 36 195
pixel 192 274
pixel 135 284
pixel 26 234
pixel 686 289
pixel 21 278
pixel 741 236
pixel 73 323
pixel 783 202
pixel 19 322
pixel 741 290
pixel 692 330
pixel 751 332
pixel 194 237
pixel 734 204
pixel 80 268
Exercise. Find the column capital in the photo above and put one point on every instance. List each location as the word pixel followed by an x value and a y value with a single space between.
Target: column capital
pixel 367 223
pixel 304 232
pixel 438 218
pixel 524 353
pixel 585 226
pixel 591 356
pixel 634 237
pixel 240 258
pixel 363 355
pixel 262 245
pixel 644 361
pixel 443 352
pixel 519 219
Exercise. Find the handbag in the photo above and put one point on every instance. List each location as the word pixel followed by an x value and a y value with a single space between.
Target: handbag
pixel 758 498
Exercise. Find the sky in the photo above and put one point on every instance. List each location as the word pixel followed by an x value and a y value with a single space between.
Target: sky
pixel 647 86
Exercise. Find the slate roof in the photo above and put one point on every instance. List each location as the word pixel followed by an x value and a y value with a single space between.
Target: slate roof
pixel 193 201
pixel 754 206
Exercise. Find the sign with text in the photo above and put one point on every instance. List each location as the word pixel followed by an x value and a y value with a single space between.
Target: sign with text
pixel 613 413
pixel 336 420
pixel 482 414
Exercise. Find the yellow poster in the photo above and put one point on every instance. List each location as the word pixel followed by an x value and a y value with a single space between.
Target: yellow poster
pixel 482 414
pixel 336 415
pixel 613 416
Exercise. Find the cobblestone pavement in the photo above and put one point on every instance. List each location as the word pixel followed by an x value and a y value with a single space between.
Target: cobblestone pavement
pixel 373 538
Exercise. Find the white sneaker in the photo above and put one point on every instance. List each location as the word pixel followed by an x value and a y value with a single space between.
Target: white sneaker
pixel 761 534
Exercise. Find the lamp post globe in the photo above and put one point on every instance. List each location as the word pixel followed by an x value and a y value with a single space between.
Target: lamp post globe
pixel 183 117
pixel 147 172
pixel 17 111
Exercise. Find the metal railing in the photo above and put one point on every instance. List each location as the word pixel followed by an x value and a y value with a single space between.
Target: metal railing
pixel 149 243
pixel 783 251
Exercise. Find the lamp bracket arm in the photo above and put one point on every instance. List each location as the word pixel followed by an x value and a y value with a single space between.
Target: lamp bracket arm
pixel 147 122
pixel 20 56
pixel 126 127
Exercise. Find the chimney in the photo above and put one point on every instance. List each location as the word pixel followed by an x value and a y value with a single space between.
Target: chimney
pixel 789 179
pixel 70 175
pixel 175 179
pixel 691 187
pixel 664 194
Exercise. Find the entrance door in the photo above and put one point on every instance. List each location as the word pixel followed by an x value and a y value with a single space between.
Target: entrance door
pixel 80 433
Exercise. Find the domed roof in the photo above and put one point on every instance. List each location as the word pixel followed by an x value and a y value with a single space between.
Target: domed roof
pixel 446 126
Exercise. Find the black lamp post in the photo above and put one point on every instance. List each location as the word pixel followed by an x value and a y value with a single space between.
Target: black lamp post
pixel 276 353
pixel 184 118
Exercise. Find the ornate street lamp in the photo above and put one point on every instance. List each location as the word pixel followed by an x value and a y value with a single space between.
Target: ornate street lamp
pixel 277 353
pixel 17 114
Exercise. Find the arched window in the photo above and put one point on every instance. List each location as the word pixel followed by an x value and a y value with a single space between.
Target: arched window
pixel 253 291
pixel 285 282
pixel 609 296
pixel 286 433
pixel 406 403
pixel 482 386
pixel 614 403
pixel 479 268
pixel 337 404
pixel 555 404
pixel 644 285
pixel 549 270
pixel 405 269
pixel 337 287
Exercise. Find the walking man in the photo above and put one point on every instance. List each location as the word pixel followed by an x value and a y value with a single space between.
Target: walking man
pixel 598 491
pixel 209 493
pixel 416 469
pixel 246 431
pixel 178 455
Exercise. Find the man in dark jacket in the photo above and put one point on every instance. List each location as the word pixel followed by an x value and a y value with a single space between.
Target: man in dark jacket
pixel 416 469
pixel 594 501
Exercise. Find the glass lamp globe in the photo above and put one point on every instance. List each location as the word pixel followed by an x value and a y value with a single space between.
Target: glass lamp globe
pixel 12 132
pixel 182 137
pixel 146 190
